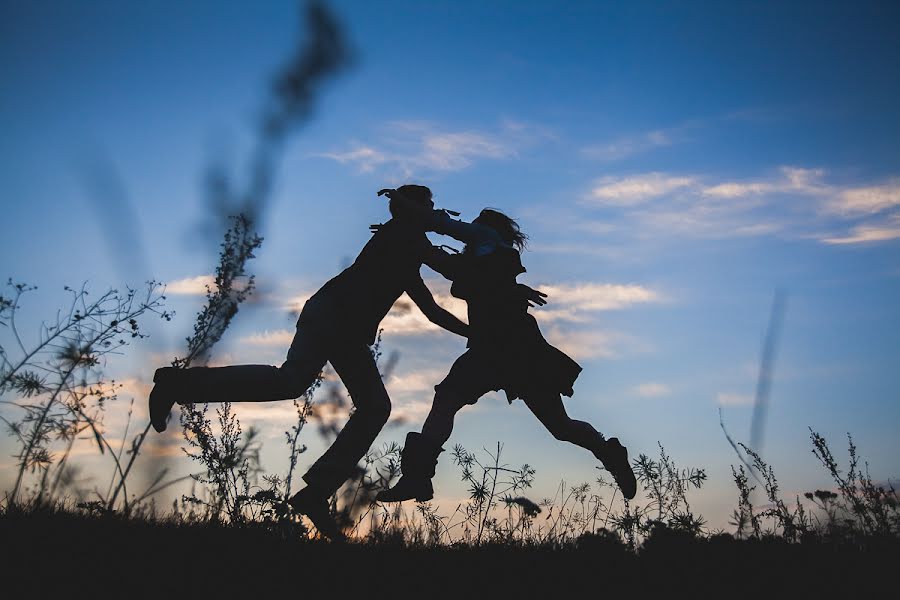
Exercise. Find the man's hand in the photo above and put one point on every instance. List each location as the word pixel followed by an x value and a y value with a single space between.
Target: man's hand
pixel 533 296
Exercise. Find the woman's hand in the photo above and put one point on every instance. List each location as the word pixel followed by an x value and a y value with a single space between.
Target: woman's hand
pixel 533 296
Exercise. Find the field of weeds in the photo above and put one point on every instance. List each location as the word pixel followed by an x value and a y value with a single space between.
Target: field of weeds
pixel 52 551
pixel 235 533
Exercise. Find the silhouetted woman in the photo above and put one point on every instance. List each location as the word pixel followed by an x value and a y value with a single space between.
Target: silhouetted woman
pixel 506 351
pixel 337 325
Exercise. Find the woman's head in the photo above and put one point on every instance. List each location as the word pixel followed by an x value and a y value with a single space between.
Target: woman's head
pixel 417 193
pixel 507 228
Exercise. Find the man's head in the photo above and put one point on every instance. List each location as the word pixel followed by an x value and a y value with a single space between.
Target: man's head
pixel 417 193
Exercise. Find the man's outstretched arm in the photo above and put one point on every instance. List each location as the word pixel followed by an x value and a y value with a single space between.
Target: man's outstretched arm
pixel 440 222
pixel 420 294
pixel 442 262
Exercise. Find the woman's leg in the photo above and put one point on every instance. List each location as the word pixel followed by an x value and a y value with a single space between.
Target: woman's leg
pixel 439 423
pixel 467 381
pixel 551 412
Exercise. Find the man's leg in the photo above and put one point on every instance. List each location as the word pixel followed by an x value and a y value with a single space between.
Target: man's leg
pixel 357 369
pixel 241 383
pixel 551 412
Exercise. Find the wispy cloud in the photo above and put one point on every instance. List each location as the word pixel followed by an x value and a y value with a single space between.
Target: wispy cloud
pixel 410 411
pixel 651 390
pixel 405 318
pixel 570 314
pixel 733 399
pixel 191 286
pixel 864 201
pixel 582 344
pixel 860 234
pixel 635 189
pixel 635 143
pixel 572 302
pixel 197 286
pixel 365 157
pixel 794 201
pixel 278 337
pixel 625 146
pixel 416 382
pixel 413 147
pixel 791 180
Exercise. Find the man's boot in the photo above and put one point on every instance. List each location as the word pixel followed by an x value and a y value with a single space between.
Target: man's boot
pixel 417 463
pixel 163 396
pixel 614 457
pixel 314 504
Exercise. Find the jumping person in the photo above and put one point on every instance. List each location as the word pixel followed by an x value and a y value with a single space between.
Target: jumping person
pixel 337 325
pixel 505 351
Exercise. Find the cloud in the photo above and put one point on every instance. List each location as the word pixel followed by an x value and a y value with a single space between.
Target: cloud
pixel 278 337
pixel 792 180
pixel 196 286
pixel 583 344
pixel 270 412
pixel 405 318
pixel 790 202
pixel 416 382
pixel 586 343
pixel 637 143
pixel 413 147
pixel 651 390
pixel 455 151
pixel 598 296
pixel 191 286
pixel 736 190
pixel 626 191
pixel 366 158
pixel 626 146
pixel 575 302
pixel 410 411
pixel 296 302
pixel 733 399
pixel 703 221
pixel 861 201
pixel 868 233
pixel 569 303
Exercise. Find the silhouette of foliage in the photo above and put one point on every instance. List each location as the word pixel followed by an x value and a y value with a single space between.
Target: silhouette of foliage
pixel 861 505
pixel 59 384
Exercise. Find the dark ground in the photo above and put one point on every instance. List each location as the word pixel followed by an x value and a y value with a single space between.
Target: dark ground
pixel 58 554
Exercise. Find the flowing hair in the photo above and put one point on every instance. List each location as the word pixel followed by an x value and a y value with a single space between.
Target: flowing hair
pixel 507 227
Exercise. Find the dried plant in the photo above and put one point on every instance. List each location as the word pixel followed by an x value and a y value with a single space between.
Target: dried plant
pixel 58 381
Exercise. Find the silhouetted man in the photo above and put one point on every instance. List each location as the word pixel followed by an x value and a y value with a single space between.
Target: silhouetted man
pixel 337 325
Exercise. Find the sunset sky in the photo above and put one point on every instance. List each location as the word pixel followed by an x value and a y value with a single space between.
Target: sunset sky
pixel 672 164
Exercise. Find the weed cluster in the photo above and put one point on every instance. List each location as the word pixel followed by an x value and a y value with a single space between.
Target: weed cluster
pixel 61 390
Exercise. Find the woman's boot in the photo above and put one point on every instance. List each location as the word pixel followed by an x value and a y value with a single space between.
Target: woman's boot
pixel 614 457
pixel 417 463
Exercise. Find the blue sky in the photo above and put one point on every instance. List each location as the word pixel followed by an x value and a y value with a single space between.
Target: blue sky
pixel 673 165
